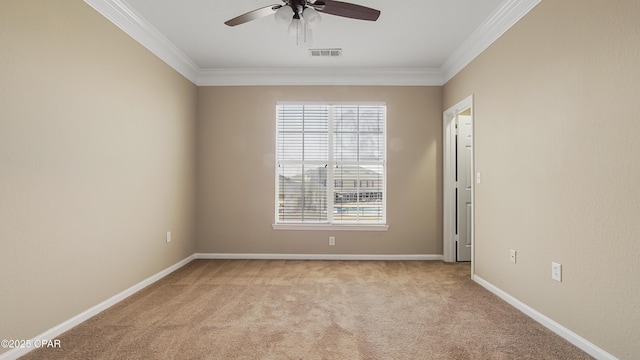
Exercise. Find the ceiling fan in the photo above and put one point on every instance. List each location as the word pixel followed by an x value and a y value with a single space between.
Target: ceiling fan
pixel 302 15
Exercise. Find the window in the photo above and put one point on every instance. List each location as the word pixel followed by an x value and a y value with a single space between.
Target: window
pixel 330 164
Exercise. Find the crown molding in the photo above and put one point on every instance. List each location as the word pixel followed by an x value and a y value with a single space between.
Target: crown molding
pixel 148 36
pixel 510 12
pixel 320 76
pixel 501 20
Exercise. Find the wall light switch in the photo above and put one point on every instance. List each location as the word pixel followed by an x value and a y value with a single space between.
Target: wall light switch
pixel 168 237
pixel 478 178
pixel 513 255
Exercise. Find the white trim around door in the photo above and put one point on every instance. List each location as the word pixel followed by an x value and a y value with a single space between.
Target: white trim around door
pixel 449 179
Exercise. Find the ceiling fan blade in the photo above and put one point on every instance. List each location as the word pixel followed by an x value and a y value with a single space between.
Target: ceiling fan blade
pixel 347 10
pixel 253 15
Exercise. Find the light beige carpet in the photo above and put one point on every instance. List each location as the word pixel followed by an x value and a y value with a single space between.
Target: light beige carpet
pixel 251 309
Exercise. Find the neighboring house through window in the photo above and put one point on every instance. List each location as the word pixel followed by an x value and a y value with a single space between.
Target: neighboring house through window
pixel 331 166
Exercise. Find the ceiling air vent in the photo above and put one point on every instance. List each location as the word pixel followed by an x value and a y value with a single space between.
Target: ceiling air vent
pixel 325 52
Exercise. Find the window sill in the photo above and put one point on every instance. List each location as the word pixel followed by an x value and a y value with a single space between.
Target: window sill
pixel 332 227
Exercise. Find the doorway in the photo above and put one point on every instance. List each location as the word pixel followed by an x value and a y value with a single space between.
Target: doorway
pixel 458 184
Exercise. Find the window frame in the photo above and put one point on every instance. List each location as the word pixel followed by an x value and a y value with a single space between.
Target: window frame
pixel 328 225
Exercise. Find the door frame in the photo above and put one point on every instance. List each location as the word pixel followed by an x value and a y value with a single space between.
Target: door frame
pixel 449 182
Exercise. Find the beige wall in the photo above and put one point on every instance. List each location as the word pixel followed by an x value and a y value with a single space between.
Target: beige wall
pixel 236 190
pixel 557 123
pixel 96 163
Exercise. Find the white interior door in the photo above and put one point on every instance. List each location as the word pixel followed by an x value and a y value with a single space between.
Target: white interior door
pixel 464 178
pixel 458 186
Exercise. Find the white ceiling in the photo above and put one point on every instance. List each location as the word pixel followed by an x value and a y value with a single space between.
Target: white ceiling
pixel 413 42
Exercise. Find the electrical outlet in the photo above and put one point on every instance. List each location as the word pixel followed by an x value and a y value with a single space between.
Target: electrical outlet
pixel 513 255
pixel 332 240
pixel 168 238
pixel 556 271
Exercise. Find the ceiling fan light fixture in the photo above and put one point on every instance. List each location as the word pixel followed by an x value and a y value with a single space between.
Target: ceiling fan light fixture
pixel 295 27
pixel 301 16
pixel 312 17
pixel 284 15
pixel 299 29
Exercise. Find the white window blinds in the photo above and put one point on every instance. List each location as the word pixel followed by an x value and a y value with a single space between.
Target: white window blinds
pixel 330 164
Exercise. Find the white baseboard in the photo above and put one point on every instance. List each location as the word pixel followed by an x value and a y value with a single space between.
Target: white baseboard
pixel 316 257
pixel 565 333
pixel 76 320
